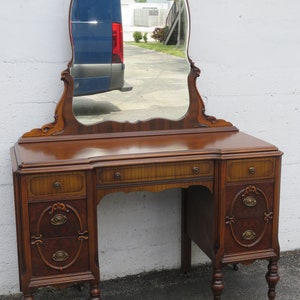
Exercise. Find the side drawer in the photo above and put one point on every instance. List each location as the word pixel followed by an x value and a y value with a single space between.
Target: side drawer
pixel 155 172
pixel 249 217
pixel 52 219
pixel 245 169
pixel 50 184
pixel 60 256
pixel 58 237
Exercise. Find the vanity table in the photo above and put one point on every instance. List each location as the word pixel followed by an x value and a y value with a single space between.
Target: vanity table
pixel 230 190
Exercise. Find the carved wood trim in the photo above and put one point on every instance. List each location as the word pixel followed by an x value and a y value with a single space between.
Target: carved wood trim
pixel 65 122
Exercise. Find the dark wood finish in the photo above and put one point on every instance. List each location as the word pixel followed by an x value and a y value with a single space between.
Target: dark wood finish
pixel 230 182
pixel 230 185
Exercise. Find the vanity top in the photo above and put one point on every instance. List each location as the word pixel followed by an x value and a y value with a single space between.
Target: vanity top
pixel 101 150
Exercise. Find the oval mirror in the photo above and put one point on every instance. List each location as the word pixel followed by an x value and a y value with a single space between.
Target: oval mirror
pixel 129 59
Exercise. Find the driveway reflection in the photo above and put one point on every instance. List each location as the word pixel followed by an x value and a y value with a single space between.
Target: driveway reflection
pixel 159 84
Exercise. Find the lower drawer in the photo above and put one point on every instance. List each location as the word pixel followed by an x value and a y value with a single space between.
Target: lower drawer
pixel 251 233
pixel 59 255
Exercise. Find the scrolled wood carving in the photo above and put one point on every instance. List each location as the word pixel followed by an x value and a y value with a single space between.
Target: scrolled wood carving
pixel 58 125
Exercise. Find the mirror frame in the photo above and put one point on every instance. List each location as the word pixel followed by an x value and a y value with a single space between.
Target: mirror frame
pixel 66 126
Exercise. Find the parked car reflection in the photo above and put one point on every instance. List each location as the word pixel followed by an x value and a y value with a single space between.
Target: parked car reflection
pixel 97 41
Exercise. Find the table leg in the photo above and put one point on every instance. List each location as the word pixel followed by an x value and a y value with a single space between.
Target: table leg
pixel 217 283
pixel 272 278
pixel 95 292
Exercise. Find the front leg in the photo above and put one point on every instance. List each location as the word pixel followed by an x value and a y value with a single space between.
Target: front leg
pixel 272 278
pixel 217 283
pixel 95 292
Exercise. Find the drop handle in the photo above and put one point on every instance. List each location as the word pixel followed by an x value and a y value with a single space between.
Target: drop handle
pixel 249 235
pixel 60 256
pixel 249 201
pixel 58 219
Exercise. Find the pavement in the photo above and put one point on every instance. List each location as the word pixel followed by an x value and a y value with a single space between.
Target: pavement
pixel 247 283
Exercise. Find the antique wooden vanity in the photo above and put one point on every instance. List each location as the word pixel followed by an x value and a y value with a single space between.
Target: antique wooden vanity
pixel 230 190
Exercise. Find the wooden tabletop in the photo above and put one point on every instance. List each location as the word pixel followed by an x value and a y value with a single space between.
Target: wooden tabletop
pixel 155 148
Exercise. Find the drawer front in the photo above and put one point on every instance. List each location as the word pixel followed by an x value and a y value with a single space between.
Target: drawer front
pixel 245 169
pixel 48 185
pixel 155 172
pixel 249 217
pixel 246 201
pixel 57 219
pixel 59 256
pixel 248 234
pixel 58 236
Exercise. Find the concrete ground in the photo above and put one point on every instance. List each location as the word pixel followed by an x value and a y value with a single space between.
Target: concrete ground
pixel 248 283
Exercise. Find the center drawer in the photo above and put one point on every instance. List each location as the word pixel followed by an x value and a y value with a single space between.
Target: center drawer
pixel 155 172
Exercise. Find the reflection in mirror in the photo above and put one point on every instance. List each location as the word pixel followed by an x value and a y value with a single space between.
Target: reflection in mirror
pixel 118 73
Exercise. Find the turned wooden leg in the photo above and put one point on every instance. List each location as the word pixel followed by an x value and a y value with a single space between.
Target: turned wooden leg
pixel 272 278
pixel 95 292
pixel 217 283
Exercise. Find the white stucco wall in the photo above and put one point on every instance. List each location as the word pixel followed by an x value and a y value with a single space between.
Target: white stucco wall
pixel 249 55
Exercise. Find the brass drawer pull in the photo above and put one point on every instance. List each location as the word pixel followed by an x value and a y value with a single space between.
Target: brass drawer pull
pixel 59 219
pixel 249 235
pixel 249 201
pixel 196 170
pixel 60 256
pixel 117 176
pixel 57 185
pixel 251 170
